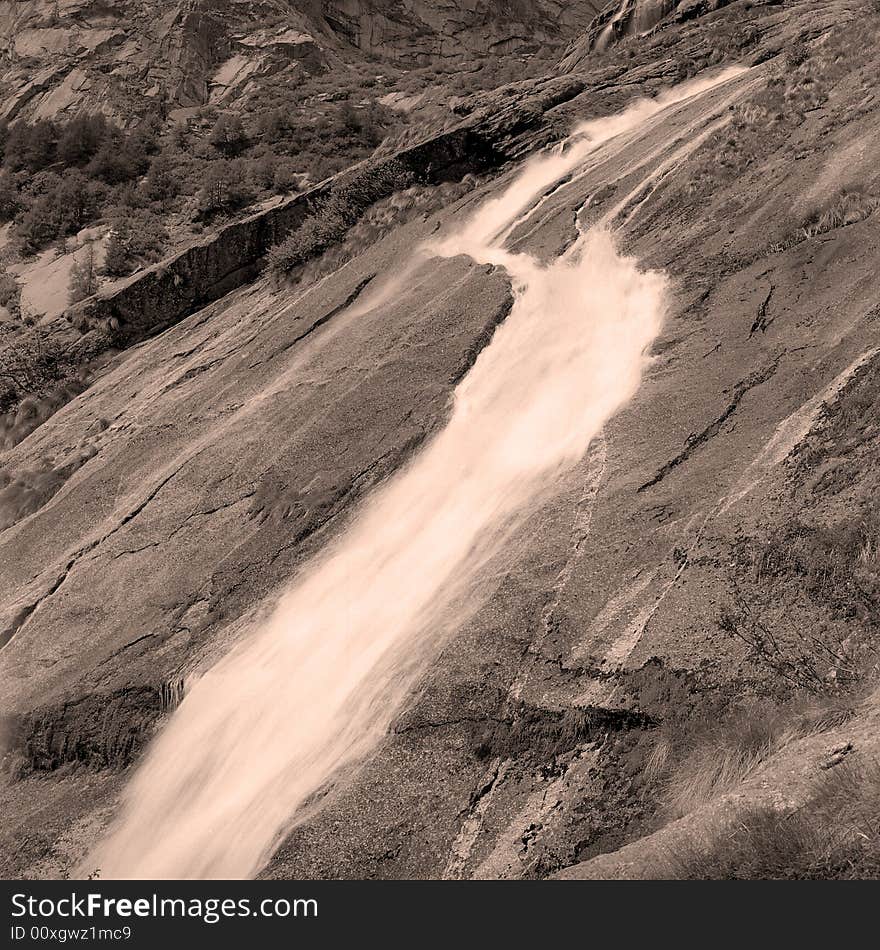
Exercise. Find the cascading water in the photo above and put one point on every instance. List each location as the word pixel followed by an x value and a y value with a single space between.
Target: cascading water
pixel 316 688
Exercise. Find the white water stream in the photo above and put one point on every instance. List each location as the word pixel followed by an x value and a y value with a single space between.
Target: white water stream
pixel 302 700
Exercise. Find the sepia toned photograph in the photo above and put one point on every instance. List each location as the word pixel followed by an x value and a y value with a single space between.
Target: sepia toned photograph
pixel 439 442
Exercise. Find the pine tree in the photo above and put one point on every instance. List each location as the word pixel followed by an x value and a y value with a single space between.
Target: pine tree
pixel 228 135
pixel 83 276
pixel 119 258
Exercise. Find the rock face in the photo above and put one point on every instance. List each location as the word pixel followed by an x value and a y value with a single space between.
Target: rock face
pixel 207 464
pixel 122 58
pixel 420 32
pixel 79 55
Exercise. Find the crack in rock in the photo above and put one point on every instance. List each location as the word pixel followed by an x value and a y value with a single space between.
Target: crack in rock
pixel 696 440
pixel 761 322
pixel 321 321
pixel 21 618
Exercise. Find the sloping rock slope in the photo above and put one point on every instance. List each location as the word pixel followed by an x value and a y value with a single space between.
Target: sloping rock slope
pixel 209 462
pixel 628 19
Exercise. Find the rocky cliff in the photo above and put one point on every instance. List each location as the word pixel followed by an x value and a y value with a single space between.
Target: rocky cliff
pixel 716 549
pixel 62 58
pixel 416 32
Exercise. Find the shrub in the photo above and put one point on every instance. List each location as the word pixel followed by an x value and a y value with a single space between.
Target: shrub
pixel 344 205
pixel 78 201
pixel 10 293
pixel 83 275
pixel 228 135
pixel 30 147
pixel 207 114
pixel 287 176
pixel 274 125
pixel 81 138
pixel 162 183
pixel 136 237
pixel 381 217
pixel 797 53
pixel 348 117
pixel 62 205
pixel 144 137
pixel 116 161
pixel 37 380
pixel 180 135
pixel 119 259
pixel 225 188
pixel 312 237
pixel 367 125
pixel 37 226
pixel 9 198
pixel 262 172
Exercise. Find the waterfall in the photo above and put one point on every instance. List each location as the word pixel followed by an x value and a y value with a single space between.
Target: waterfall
pixel 310 694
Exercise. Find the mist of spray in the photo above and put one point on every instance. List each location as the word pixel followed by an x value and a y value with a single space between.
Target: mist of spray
pixel 305 698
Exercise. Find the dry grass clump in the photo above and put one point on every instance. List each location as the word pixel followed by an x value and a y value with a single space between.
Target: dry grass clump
pixel 848 427
pixel 836 836
pixel 716 756
pixel 827 572
pixel 17 424
pixel 848 206
pixel 714 759
pixel 756 126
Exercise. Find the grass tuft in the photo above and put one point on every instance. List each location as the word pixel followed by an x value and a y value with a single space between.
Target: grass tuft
pixel 836 836
pixel 848 206
pixel 716 756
